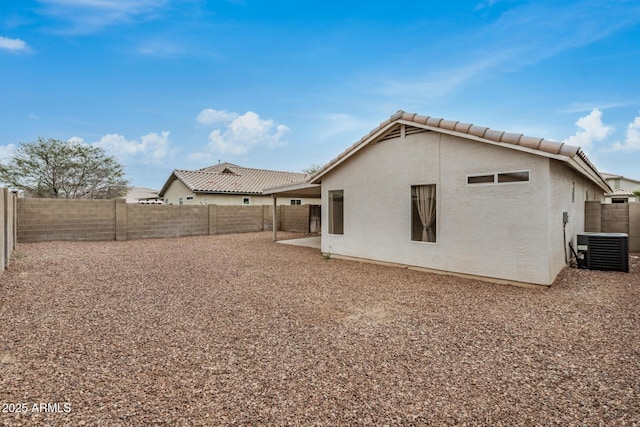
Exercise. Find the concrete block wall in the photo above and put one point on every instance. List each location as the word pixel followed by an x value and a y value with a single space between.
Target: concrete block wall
pixel 154 221
pixel 615 218
pixel 267 218
pixel 593 217
pixel 64 219
pixel 10 228
pixel 295 218
pixel 634 227
pixel 238 219
pixel 3 244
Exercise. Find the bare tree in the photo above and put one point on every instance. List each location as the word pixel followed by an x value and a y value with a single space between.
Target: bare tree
pixel 60 169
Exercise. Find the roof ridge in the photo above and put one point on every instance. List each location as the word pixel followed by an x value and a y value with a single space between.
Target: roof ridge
pixel 455 127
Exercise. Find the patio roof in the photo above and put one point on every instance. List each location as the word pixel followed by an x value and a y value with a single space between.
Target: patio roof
pixel 299 189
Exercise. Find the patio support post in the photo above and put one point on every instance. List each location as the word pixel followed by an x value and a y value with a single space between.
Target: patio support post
pixel 275 217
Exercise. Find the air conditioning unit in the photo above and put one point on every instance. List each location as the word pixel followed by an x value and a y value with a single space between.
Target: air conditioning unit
pixel 604 251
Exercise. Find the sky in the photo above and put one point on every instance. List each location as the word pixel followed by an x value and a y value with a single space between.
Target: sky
pixel 284 85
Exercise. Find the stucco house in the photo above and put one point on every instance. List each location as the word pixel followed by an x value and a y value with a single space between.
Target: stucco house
pixel 228 184
pixel 623 189
pixel 449 196
pixel 143 195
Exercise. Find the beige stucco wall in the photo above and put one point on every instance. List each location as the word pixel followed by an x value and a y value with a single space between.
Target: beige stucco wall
pixel 564 198
pixel 178 190
pixel 625 184
pixel 498 231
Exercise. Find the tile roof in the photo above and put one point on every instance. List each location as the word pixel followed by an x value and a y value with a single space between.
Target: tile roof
pixel 137 193
pixel 621 192
pixel 232 179
pixel 465 130
pixel 610 175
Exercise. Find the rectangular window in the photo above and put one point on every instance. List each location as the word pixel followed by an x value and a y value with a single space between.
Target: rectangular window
pixel 296 202
pixel 481 179
pixel 423 213
pixel 499 178
pixel 246 200
pixel 190 198
pixel 336 212
pixel 513 177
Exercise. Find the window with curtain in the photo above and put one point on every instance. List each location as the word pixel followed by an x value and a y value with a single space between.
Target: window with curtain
pixel 336 212
pixel 423 213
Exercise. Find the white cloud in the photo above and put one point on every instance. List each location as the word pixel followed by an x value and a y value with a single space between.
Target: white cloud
pixel 13 45
pixel 592 130
pixel 631 140
pixel 76 140
pixel 209 116
pixel 243 133
pixel 7 152
pixel 523 35
pixel 152 147
pixel 87 16
pixel 128 7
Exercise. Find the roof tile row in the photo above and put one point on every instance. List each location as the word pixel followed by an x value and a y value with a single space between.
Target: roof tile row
pixel 533 143
pixel 232 179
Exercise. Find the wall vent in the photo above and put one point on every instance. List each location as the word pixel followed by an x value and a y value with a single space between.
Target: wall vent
pixel 605 251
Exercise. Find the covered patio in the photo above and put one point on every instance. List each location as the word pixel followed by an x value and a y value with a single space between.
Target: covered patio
pixel 297 190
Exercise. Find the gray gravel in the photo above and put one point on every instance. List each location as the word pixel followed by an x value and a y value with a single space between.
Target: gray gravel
pixel 237 330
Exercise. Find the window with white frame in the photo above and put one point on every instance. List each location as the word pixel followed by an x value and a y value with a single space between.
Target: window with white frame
pixel 423 213
pixel 246 200
pixel 296 202
pixel 498 178
pixel 336 212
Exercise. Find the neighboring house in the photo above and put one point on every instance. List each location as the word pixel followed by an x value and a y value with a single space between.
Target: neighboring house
pixel 228 184
pixel 449 196
pixel 143 195
pixel 623 189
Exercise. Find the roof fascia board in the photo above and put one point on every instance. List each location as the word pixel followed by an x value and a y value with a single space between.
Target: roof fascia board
pixel 288 187
pixel 232 193
pixel 383 130
pixel 582 167
pixel 560 157
pixel 355 148
pixel 166 185
pixel 576 162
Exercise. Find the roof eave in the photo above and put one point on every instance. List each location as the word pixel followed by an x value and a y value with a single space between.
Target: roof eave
pixel 587 170
pixel 315 179
pixel 363 142
pixel 232 193
pixel 301 189
pixel 166 185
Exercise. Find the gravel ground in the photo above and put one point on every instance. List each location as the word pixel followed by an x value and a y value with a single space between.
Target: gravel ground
pixel 237 330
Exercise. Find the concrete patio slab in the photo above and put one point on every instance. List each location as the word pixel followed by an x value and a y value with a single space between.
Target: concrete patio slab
pixel 309 242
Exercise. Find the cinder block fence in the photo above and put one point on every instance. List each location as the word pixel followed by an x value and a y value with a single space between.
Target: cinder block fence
pixel 65 219
pixel 8 237
pixel 615 218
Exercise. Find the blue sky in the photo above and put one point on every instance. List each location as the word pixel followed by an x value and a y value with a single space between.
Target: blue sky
pixel 181 84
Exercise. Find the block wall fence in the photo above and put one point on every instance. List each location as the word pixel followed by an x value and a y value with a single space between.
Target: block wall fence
pixel 8 237
pixel 614 218
pixel 64 219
